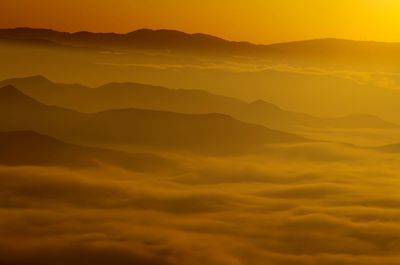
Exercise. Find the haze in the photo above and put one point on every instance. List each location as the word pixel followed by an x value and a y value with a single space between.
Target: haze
pixel 126 145
pixel 257 21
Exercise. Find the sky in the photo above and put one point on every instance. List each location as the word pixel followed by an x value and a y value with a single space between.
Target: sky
pixel 259 21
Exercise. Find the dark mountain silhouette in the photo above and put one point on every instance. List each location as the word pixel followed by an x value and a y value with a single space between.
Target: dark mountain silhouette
pixel 326 51
pixel 170 40
pixel 31 148
pixel 133 95
pixel 159 130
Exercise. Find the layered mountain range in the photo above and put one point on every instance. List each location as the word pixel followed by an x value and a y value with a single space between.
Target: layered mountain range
pixel 332 51
pixel 137 129
pixel 141 96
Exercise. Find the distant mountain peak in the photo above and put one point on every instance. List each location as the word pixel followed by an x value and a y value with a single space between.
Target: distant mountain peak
pixel 170 32
pixel 175 36
pixel 263 104
pixel 21 82
pixel 38 78
pixel 10 91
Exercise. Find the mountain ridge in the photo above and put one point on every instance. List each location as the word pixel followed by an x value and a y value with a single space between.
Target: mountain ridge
pixel 122 95
pixel 138 39
pixel 145 31
pixel 168 39
pixel 29 148
pixel 139 128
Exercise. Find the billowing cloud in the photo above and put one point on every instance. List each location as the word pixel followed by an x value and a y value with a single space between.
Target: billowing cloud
pixel 261 209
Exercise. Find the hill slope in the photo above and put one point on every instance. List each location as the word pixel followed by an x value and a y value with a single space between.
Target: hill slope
pixel 214 133
pixel 134 95
pixel 31 148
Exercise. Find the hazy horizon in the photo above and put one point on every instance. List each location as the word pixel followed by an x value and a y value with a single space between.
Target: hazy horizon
pixel 159 147
pixel 262 22
pixel 202 33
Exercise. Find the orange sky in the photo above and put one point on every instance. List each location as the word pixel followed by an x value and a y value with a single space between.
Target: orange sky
pixel 261 21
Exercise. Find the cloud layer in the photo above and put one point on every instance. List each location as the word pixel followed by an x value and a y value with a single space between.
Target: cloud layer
pixel 280 208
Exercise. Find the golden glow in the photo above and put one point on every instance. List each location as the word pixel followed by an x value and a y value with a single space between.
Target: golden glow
pixel 232 155
pixel 254 20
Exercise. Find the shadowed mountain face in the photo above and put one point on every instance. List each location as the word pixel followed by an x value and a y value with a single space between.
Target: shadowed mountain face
pixel 30 148
pixel 20 112
pixel 213 133
pixel 133 95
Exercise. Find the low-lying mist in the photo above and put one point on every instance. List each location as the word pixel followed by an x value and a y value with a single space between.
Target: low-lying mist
pixel 298 204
